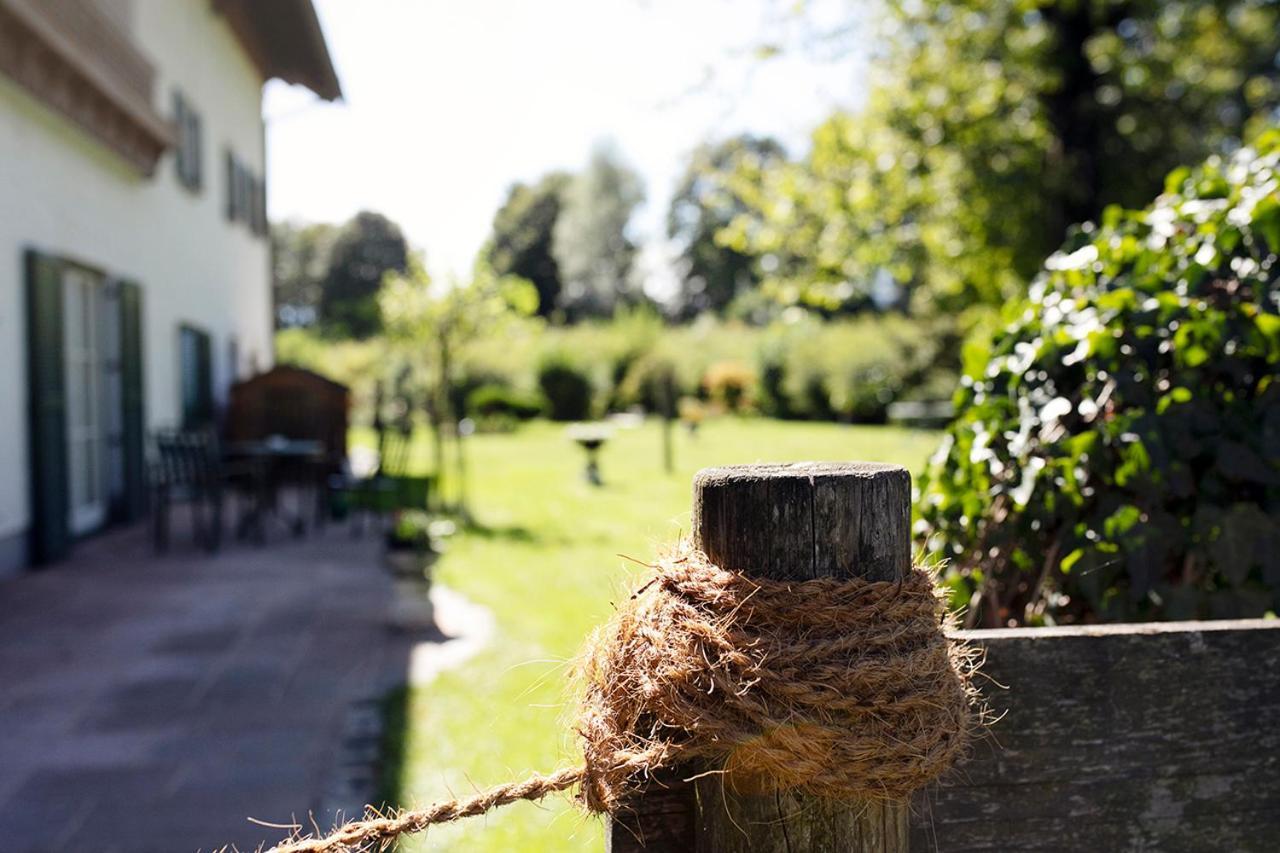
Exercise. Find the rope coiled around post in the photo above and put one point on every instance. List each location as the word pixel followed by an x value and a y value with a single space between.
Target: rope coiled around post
pixel 841 689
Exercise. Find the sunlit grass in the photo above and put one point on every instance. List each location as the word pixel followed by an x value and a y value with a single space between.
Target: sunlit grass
pixel 545 559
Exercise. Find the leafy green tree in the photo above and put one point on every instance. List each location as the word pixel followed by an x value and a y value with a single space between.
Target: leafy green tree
pixel 299 263
pixel 992 125
pixel 368 247
pixel 862 206
pixel 521 243
pixel 1082 102
pixel 705 203
pixel 590 241
pixel 433 326
pixel 1115 453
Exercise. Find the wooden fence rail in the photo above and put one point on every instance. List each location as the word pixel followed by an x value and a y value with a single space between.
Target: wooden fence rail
pixel 1125 737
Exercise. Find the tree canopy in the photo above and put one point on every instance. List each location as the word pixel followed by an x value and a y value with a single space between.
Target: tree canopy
pixel 368 247
pixel 431 325
pixel 299 264
pixel 521 242
pixel 990 127
pixel 590 241
pixel 705 203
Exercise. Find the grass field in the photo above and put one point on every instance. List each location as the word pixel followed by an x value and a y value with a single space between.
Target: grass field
pixel 545 559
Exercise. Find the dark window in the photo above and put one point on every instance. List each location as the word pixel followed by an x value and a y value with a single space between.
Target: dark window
pixel 233 169
pixel 259 208
pixel 233 360
pixel 246 196
pixel 196 365
pixel 189 153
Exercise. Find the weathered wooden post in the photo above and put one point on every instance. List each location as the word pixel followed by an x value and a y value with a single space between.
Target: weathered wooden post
pixel 800 521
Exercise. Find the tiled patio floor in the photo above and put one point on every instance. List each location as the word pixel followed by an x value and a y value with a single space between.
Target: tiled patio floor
pixel 155 703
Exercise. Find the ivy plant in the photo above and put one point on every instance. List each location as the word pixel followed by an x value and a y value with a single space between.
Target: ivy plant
pixel 1116 454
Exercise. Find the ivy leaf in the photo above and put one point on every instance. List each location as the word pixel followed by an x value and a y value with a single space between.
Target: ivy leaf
pixel 1167 453
pixel 1180 602
pixel 1145 564
pixel 1244 528
pixel 1267 553
pixel 1240 463
pixel 1243 603
pixel 1266 221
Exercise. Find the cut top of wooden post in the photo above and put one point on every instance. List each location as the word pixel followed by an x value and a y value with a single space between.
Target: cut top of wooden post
pixel 806 520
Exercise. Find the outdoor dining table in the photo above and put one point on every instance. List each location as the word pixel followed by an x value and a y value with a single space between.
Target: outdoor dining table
pixel 284 462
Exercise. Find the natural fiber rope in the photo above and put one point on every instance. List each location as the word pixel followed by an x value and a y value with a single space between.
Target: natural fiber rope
pixel 842 689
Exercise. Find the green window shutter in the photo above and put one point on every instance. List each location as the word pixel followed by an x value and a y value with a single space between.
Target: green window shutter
pixel 188 150
pixel 196 364
pixel 233 204
pixel 131 400
pixel 50 534
pixel 197 151
pixel 204 370
pixel 180 145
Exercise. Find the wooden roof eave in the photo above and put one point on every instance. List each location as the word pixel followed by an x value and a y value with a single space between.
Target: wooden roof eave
pixel 72 58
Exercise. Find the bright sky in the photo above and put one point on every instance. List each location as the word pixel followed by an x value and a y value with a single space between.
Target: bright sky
pixel 448 103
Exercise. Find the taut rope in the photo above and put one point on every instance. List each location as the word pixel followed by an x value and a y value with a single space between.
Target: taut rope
pixel 843 689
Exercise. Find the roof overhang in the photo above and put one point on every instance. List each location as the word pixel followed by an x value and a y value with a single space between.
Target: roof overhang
pixel 74 59
pixel 284 40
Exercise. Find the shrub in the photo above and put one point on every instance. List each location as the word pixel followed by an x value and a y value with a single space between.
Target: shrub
pixel 419 529
pixel 567 389
pixel 633 334
pixel 496 400
pixel 1115 453
pixel 851 369
pixel 814 398
pixel 467 383
pixel 731 384
pixel 863 394
pixel 807 368
pixel 692 412
pixel 773 398
pixel 410 529
pixel 651 383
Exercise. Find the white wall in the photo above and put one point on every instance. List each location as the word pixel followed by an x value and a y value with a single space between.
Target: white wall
pixel 62 193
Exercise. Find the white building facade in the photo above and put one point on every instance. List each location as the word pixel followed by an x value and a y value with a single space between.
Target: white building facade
pixel 134 254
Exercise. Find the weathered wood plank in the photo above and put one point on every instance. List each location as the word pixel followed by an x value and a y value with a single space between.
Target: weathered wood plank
pixel 1124 737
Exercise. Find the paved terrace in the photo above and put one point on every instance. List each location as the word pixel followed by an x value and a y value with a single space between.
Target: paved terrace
pixel 154 703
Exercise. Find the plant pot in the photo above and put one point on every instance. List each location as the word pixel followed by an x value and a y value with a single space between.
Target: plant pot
pixel 411 562
pixel 410 567
pixel 411 608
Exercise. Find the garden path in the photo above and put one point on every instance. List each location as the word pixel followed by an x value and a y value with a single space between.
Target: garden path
pixel 155 703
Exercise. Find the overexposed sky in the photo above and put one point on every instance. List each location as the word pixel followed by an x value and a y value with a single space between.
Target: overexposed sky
pixel 450 101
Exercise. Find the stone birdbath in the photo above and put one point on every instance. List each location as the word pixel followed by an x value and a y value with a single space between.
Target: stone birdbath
pixel 591 437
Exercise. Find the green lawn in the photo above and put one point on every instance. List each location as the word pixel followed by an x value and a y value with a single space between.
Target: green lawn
pixel 545 559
